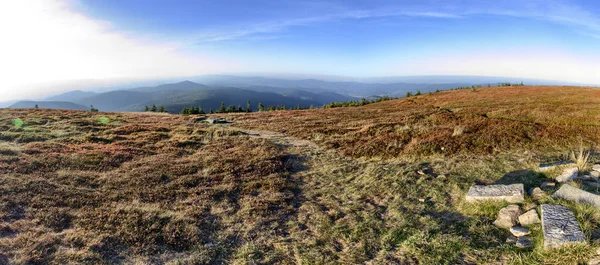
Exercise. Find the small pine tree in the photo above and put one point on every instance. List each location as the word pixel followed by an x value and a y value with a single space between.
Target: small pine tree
pixel 153 109
pixel 418 92
pixel 248 108
pixel 408 94
pixel 201 110
pixel 162 109
pixel 36 106
pixel 261 107
pixel 92 109
pixel 222 108
pixel 312 106
pixel 146 109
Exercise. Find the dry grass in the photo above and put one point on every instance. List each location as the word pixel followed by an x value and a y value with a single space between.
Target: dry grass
pixel 491 121
pixel 164 189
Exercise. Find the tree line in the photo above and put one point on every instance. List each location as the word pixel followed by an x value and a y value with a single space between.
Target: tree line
pixel 160 108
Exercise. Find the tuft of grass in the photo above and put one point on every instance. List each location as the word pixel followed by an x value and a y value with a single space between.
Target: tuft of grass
pixel 581 157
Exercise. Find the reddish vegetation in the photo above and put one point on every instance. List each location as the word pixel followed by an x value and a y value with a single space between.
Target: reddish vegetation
pixel 77 190
pixel 489 120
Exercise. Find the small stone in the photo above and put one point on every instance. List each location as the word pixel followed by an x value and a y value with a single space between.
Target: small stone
pixel 547 184
pixel 596 167
pixel 568 174
pixel 528 206
pixel 560 227
pixel 441 176
pixel 524 242
pixel 519 231
pixel 420 172
pixel 537 193
pixel 595 175
pixel 549 167
pixel 571 193
pixel 511 239
pixel 421 200
pixel 592 183
pixel 510 193
pixel 529 218
pixel 507 217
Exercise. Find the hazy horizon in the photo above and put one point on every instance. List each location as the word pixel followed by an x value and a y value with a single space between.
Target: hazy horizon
pixel 51 46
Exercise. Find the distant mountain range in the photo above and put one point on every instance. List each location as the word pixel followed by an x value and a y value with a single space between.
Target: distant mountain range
pixel 237 90
pixel 48 105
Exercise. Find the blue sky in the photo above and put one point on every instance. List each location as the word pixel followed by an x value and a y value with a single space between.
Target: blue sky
pixel 58 41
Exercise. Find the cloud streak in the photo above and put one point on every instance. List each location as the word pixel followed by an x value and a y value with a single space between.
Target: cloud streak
pixel 583 22
pixel 278 26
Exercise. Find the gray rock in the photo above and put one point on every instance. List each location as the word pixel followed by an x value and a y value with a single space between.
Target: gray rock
pixel 552 166
pixel 568 174
pixel 511 239
pixel 529 218
pixel 524 242
pixel 592 183
pixel 571 193
pixel 519 231
pixel 560 226
pixel 537 193
pixel 596 167
pixel 547 184
pixel 595 174
pixel 511 193
pixel 508 216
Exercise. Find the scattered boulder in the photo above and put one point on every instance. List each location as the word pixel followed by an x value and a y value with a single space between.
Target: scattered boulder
pixel 511 193
pixel 592 183
pixel 511 239
pixel 560 226
pixel 524 242
pixel 529 218
pixel 568 174
pixel 595 174
pixel 547 184
pixel 571 193
pixel 596 167
pixel 536 193
pixel 528 206
pixel 508 216
pixel 216 120
pixel 519 231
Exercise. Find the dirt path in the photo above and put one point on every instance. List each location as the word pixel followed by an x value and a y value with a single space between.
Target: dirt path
pixel 279 138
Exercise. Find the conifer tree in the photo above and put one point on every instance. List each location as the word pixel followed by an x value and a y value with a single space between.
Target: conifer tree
pixel 222 108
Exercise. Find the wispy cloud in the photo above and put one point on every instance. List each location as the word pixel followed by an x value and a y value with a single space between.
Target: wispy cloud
pixel 556 11
pixel 278 26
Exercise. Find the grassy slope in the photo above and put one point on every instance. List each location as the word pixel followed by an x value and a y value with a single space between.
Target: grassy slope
pixel 165 189
pixel 488 121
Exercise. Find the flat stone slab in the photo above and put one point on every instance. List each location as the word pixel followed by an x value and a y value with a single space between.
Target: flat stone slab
pixel 511 193
pixel 571 193
pixel 560 226
pixel 568 174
